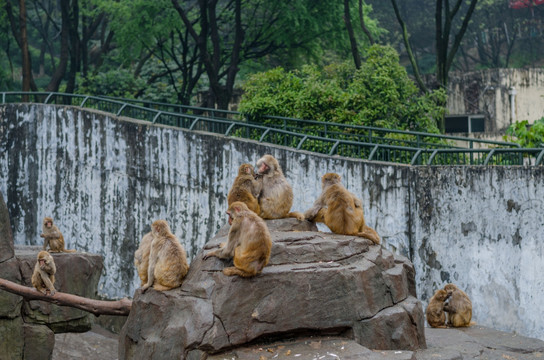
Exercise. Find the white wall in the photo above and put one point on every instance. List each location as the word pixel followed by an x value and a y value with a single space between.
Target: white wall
pixel 105 181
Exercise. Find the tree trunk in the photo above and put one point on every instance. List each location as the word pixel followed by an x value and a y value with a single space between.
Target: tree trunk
pixel 362 21
pixel 59 73
pixel 96 307
pixel 352 40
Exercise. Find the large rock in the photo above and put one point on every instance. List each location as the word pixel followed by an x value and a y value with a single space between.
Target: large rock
pixel 316 283
pixel 6 236
pixel 77 273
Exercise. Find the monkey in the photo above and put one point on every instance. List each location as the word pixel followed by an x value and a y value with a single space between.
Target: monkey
pixel 141 257
pixel 43 276
pixel 459 307
pixel 249 242
pixel 246 188
pixel 340 210
pixel 167 259
pixel 436 317
pixel 52 236
pixel 276 196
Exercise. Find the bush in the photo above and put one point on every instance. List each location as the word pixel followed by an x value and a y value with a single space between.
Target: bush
pixel 525 135
pixel 379 94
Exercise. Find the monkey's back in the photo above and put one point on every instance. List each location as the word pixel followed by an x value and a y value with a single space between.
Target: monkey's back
pixel 171 266
pixel 276 197
pixel 242 191
pixel 341 216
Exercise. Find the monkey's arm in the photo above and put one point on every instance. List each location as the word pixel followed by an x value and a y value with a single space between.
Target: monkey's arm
pixel 150 269
pixel 450 309
pixel 48 284
pixel 311 213
pixel 45 242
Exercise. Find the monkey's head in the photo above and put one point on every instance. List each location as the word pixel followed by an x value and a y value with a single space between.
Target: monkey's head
pixel 47 222
pixel 160 227
pixel 246 169
pixel 450 288
pixel 44 259
pixel 330 179
pixel 235 209
pixel 268 165
pixel 441 295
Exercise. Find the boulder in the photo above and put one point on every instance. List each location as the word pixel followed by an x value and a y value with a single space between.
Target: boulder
pixel 77 273
pixel 6 236
pixel 316 283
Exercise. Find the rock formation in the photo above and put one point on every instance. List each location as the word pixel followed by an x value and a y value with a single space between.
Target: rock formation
pixel 315 284
pixel 27 327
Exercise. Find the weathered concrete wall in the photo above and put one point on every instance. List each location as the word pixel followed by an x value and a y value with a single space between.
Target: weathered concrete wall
pixel 106 180
pixel 487 92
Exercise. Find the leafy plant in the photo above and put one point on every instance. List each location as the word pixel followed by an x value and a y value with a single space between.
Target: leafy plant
pixel 525 135
pixel 379 94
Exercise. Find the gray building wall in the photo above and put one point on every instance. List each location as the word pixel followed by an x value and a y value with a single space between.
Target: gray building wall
pixel 104 180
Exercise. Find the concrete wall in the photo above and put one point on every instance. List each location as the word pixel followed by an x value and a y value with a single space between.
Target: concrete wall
pixel 106 180
pixel 487 92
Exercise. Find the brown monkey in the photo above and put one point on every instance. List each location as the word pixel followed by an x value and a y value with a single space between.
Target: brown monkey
pixel 246 188
pixel 276 196
pixel 436 317
pixel 340 210
pixel 141 257
pixel 52 236
pixel 459 307
pixel 43 276
pixel 249 242
pixel 167 259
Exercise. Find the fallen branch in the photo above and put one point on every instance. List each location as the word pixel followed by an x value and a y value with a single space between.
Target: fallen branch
pixel 96 307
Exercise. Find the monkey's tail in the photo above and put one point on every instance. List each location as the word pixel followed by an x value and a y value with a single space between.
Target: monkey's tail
pixel 70 250
pixel 370 234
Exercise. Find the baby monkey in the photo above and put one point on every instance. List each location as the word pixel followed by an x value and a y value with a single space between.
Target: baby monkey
pixel 43 276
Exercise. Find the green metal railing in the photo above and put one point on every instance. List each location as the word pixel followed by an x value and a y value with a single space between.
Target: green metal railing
pixel 330 138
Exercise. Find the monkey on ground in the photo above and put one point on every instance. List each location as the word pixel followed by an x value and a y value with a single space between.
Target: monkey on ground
pixel 43 276
pixel 246 188
pixel 141 257
pixel 340 210
pixel 436 317
pixel 167 259
pixel 276 196
pixel 52 236
pixel 459 307
pixel 249 242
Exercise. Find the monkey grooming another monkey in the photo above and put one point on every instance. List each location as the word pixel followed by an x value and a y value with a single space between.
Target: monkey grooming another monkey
pixel 43 276
pixel 436 317
pixel 276 196
pixel 167 259
pixel 340 210
pixel 52 236
pixel 141 257
pixel 249 242
pixel 459 307
pixel 246 188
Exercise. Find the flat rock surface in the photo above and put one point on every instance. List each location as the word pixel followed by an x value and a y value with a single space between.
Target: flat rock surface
pixel 476 342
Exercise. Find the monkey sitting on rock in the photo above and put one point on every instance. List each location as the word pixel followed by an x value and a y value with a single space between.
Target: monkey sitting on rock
pixel 52 236
pixel 459 307
pixel 43 276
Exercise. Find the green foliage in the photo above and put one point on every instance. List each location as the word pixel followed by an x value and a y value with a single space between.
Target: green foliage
pixel 379 94
pixel 525 135
pixel 116 83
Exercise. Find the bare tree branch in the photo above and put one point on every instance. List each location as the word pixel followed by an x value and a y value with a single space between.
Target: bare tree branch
pixel 96 307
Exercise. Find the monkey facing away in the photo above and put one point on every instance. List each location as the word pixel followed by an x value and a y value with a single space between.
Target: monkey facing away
pixel 276 196
pixel 459 307
pixel 167 259
pixel 340 210
pixel 141 257
pixel 436 317
pixel 246 188
pixel 43 276
pixel 52 236
pixel 249 242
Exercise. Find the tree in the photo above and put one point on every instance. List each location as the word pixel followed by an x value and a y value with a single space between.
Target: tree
pixel 379 94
